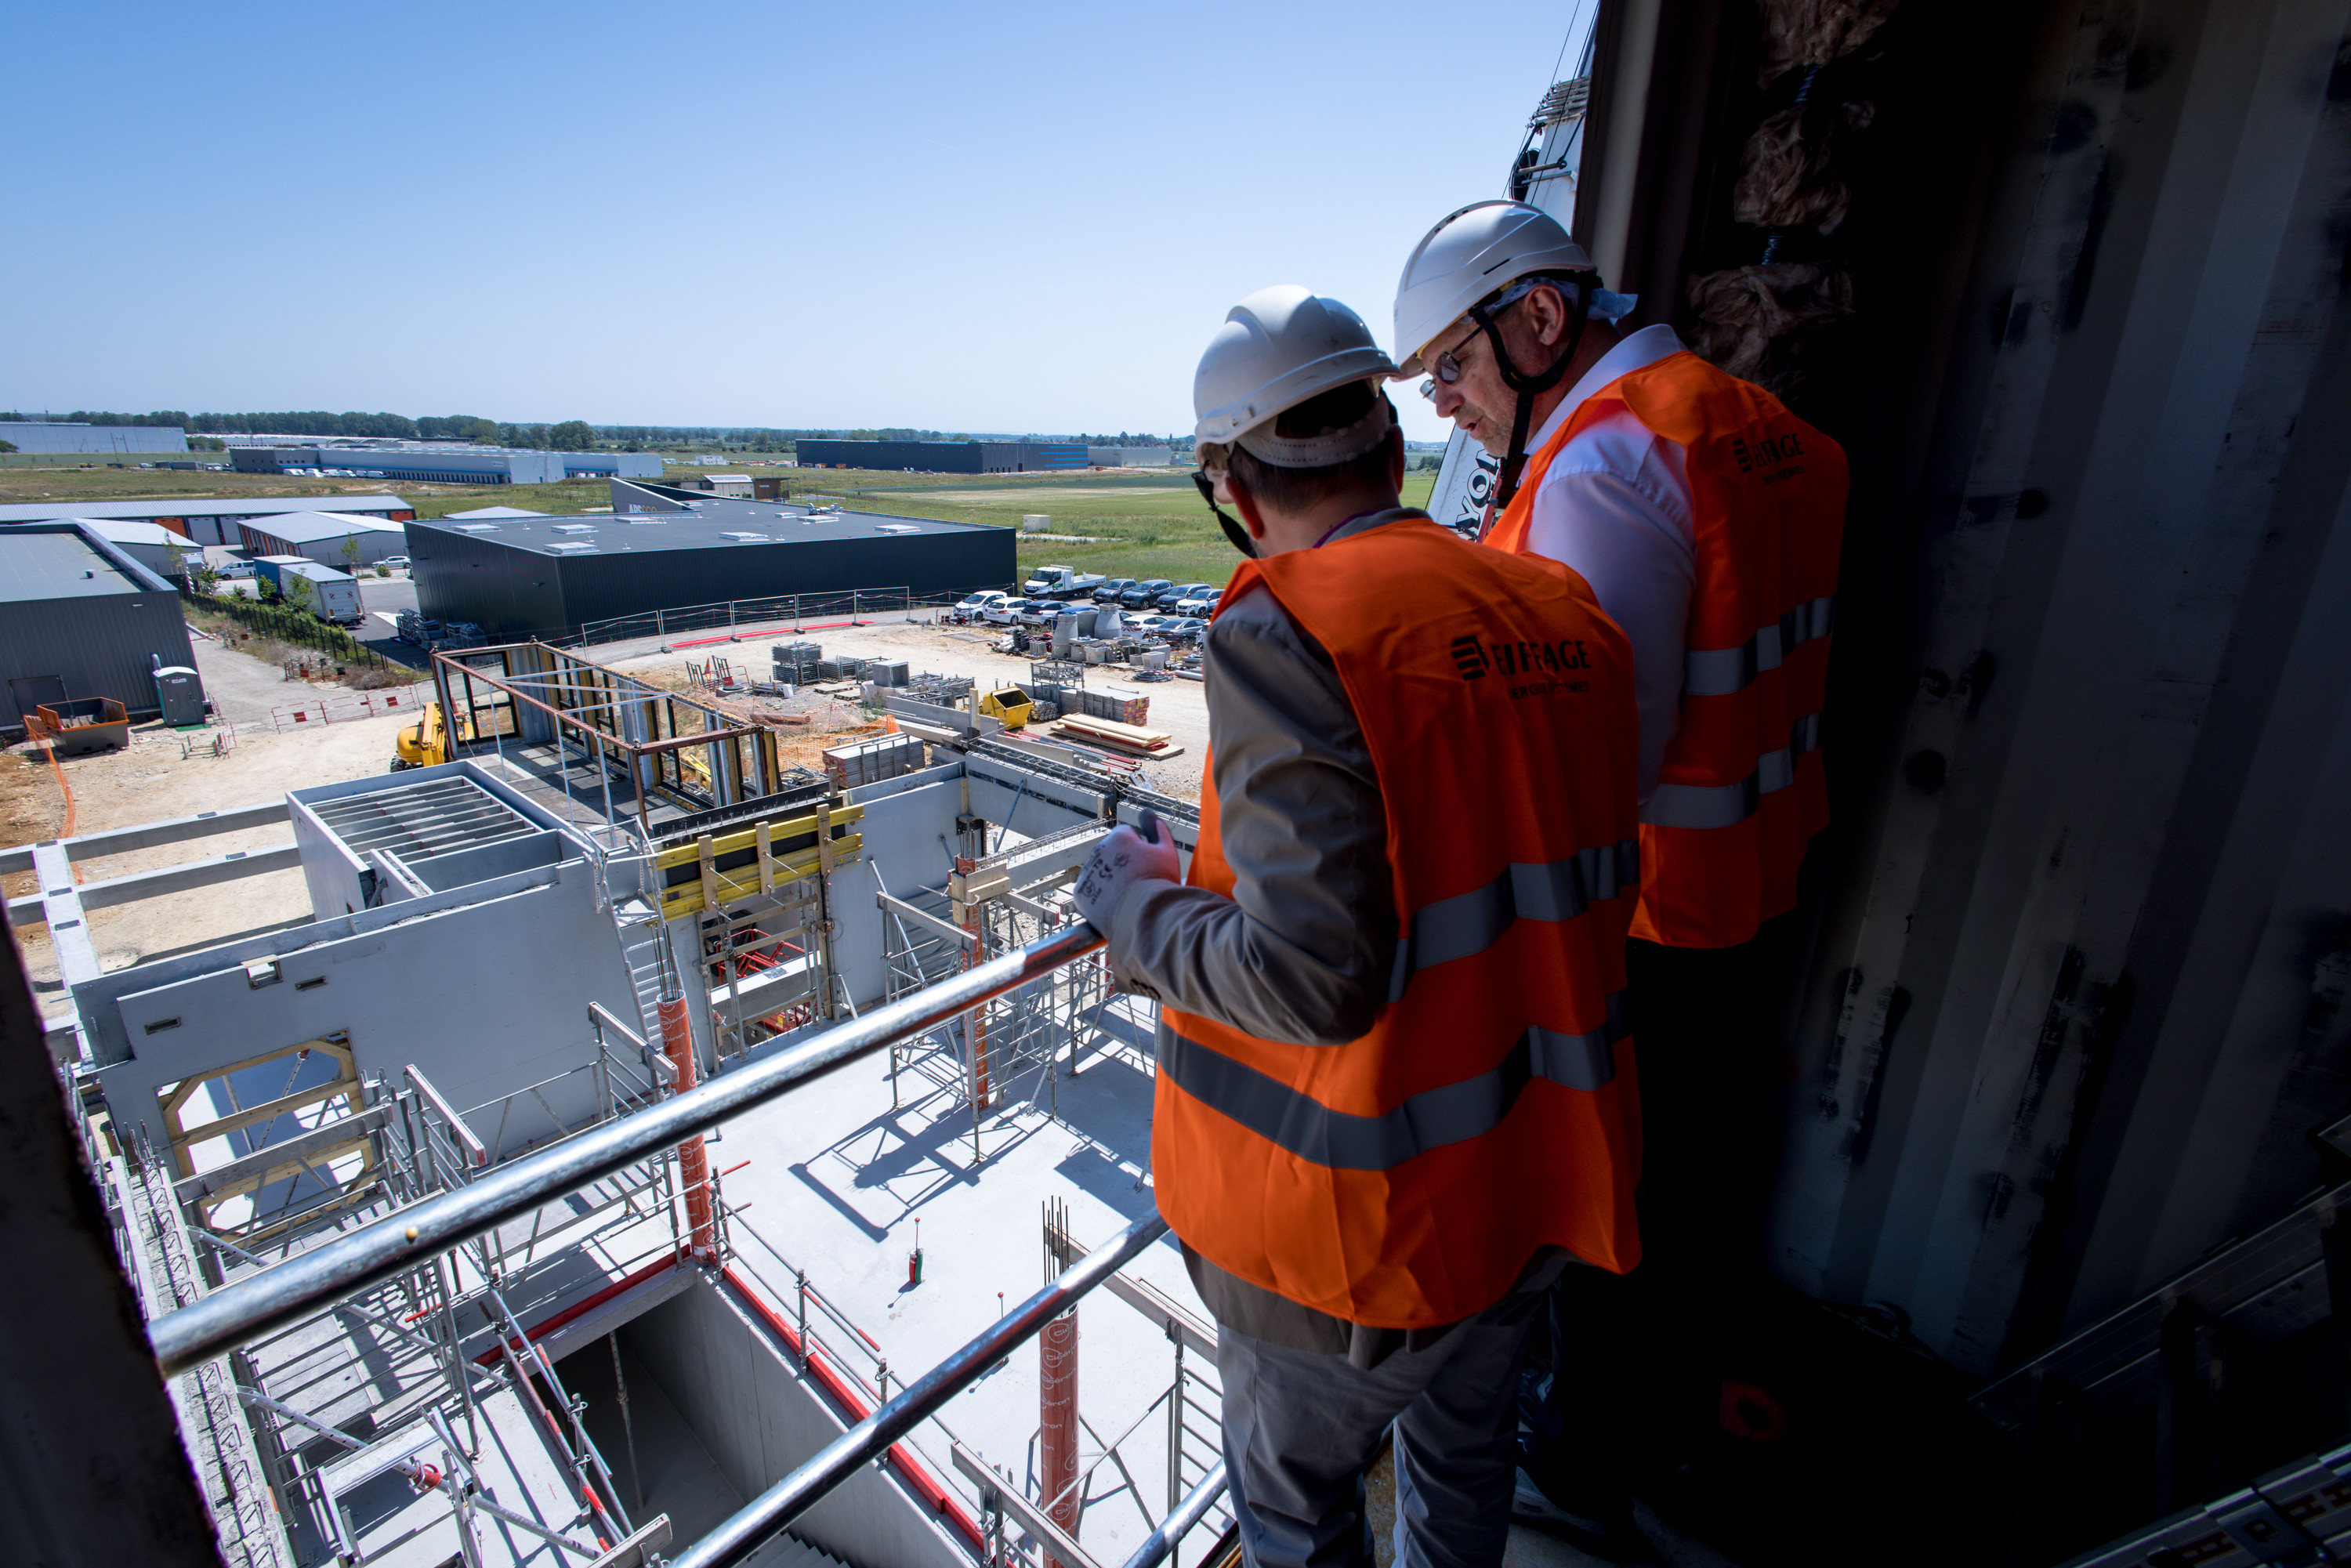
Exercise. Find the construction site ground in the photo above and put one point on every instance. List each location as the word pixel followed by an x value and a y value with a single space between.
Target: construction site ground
pixel 1178 707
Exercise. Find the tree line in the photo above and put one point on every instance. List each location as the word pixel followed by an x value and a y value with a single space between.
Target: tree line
pixel 570 435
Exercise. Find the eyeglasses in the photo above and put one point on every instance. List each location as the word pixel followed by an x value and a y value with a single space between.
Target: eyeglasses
pixel 1447 368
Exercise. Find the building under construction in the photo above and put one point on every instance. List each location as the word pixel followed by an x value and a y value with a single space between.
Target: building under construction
pixel 650 1149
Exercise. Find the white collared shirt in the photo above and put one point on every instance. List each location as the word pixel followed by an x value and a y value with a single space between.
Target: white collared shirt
pixel 1616 507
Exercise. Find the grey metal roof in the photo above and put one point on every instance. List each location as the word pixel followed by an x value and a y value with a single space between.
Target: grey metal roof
pixel 60 564
pixel 714 524
pixel 197 506
pixel 309 527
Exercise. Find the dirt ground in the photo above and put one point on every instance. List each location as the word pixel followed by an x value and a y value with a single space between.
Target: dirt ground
pixel 1179 707
pixel 151 779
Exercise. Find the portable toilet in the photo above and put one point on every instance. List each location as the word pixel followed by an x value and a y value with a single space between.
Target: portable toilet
pixel 180 693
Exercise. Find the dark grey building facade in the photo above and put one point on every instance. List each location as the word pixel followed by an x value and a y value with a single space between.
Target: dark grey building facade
pixel 78 618
pixel 548 575
pixel 946 457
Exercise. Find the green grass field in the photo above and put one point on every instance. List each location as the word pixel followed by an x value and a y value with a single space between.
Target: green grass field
pixel 1132 525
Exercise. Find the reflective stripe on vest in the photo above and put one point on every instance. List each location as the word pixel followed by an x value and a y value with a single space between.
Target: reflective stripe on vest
pixel 1720 672
pixel 1767 495
pixel 1472 922
pixel 1431 1119
pixel 1726 805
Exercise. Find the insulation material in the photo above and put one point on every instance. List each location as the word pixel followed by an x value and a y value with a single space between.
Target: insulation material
pixel 1811 33
pixel 1755 322
pixel 1787 175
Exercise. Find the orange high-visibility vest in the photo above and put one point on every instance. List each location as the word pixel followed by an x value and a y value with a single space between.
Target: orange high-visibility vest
pixel 1404 1179
pixel 1742 791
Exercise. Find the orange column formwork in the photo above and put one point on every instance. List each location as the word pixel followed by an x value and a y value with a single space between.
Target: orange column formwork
pixel 693 1160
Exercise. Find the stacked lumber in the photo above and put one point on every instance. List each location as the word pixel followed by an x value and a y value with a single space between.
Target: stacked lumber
pixel 1128 739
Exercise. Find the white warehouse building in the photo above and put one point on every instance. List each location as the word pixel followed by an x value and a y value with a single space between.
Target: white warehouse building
pixel 320 537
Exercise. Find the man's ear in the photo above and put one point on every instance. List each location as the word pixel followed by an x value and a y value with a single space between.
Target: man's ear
pixel 1547 311
pixel 1395 457
pixel 1245 503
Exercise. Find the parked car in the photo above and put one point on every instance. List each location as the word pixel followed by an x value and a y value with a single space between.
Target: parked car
pixel 397 562
pixel 1187 629
pixel 1149 626
pixel 1041 611
pixel 1109 592
pixel 1143 594
pixel 1174 593
pixel 1003 610
pixel 238 569
pixel 1199 603
pixel 974 606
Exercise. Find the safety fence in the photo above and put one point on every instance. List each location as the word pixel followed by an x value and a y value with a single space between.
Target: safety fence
pixel 778 612
pixel 446 1222
pixel 344 708
pixel 285 624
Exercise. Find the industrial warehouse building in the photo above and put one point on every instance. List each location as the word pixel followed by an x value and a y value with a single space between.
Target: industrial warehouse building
pixel 548 575
pixel 320 536
pixel 208 522
pixel 946 456
pixel 451 464
pixel 79 618
pixel 68 437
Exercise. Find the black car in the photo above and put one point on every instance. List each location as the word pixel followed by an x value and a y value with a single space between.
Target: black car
pixel 1109 592
pixel 1174 593
pixel 1145 594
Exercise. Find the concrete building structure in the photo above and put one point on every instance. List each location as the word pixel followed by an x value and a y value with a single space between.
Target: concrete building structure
pixel 665 548
pixel 66 436
pixel 79 618
pixel 493 966
pixel 321 535
pixel 208 520
pixel 449 465
pixel 1130 456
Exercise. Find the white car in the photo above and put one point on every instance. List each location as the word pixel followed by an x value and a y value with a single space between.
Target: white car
pixel 397 562
pixel 1199 603
pixel 1003 610
pixel 976 606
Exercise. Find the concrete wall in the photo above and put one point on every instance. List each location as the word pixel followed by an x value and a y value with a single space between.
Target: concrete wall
pixel 730 1379
pixel 486 990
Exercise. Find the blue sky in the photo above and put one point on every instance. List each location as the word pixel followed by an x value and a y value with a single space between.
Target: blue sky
pixel 959 217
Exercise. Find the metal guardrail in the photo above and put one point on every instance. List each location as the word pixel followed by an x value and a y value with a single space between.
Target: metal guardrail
pixel 282 1294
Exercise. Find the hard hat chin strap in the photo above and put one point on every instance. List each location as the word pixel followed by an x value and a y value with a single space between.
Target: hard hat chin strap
pixel 1231 525
pixel 1526 388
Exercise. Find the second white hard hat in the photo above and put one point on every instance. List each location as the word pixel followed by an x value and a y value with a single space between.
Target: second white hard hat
pixel 1277 348
pixel 1471 254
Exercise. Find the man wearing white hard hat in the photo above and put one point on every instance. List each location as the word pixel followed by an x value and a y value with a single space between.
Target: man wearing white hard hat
pixel 1706 519
pixel 1390 981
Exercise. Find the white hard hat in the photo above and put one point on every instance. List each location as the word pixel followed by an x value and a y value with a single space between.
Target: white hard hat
pixel 1277 348
pixel 1473 253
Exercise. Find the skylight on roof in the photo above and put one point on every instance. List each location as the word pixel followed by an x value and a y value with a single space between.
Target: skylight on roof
pixel 477 528
pixel 750 538
pixel 572 546
pixel 897 527
pixel 574 528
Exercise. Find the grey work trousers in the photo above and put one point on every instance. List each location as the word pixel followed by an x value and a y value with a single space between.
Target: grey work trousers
pixel 1301 1428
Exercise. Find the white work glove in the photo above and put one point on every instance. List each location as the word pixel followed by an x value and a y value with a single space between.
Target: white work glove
pixel 1124 857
